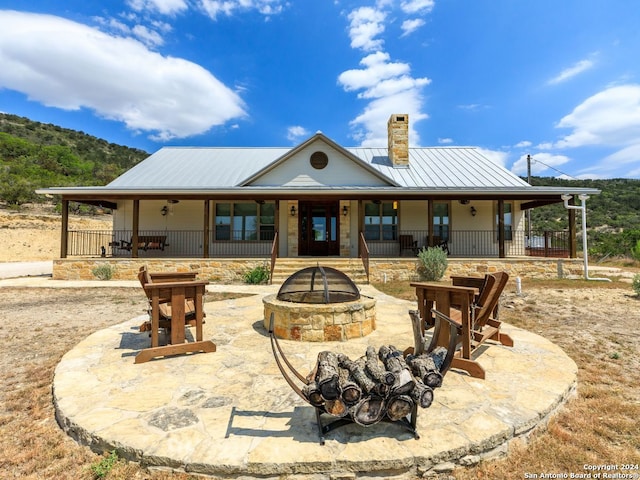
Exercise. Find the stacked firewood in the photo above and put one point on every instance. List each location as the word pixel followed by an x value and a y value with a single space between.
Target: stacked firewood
pixel 377 384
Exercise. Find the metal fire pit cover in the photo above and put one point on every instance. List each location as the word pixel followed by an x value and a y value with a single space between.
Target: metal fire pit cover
pixel 318 285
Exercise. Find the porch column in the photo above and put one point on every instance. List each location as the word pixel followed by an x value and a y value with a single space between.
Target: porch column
pixel 64 232
pixel 205 233
pixel 135 227
pixel 573 250
pixel 501 235
pixel 360 225
pixel 430 222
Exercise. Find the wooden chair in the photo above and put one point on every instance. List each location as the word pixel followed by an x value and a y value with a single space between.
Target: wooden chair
pixel 471 309
pixel 408 243
pixel 146 278
pixel 170 304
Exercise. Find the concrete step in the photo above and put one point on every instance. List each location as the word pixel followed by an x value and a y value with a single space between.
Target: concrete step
pixel 352 267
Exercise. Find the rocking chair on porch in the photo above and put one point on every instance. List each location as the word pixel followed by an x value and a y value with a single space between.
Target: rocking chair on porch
pixel 472 310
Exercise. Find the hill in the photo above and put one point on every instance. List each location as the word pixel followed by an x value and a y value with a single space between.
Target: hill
pixel 35 155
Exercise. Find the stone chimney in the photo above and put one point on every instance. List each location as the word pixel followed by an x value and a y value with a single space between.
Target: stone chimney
pixel 398 139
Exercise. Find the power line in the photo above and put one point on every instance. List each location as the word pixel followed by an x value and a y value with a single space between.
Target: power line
pixel 554 168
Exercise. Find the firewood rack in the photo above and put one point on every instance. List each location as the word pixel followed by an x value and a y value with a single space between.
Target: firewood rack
pixel 287 370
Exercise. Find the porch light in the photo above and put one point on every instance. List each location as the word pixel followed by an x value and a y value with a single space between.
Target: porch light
pixel 164 210
pixel 473 211
pixel 293 210
pixel 345 210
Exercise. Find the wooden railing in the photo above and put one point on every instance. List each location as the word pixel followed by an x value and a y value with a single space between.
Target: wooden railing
pixel 274 256
pixel 364 254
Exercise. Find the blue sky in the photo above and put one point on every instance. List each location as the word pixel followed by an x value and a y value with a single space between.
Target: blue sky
pixel 557 79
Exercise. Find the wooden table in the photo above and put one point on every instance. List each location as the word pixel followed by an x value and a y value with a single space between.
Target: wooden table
pixel 177 292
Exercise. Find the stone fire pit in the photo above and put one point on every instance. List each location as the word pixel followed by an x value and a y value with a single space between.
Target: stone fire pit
pixel 320 304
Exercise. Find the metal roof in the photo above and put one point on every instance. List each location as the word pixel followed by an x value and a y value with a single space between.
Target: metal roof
pixel 202 171
pixel 194 168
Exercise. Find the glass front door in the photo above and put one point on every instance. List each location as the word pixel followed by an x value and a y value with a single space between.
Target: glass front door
pixel 318 229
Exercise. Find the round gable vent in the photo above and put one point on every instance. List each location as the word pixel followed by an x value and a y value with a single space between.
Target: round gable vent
pixel 319 160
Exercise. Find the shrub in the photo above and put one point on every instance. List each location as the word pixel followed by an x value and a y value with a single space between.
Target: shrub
pixel 104 466
pixel 432 263
pixel 257 275
pixel 635 251
pixel 636 283
pixel 103 272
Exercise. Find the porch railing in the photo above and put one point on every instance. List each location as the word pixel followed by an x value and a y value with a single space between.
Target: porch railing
pixel 364 254
pixel 274 257
pixel 189 244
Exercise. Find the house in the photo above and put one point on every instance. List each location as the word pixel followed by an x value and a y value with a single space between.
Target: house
pixel 318 199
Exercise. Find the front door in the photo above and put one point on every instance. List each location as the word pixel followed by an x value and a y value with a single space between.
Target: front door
pixel 318 227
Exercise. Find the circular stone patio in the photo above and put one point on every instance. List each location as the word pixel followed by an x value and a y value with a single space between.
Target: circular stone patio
pixel 231 414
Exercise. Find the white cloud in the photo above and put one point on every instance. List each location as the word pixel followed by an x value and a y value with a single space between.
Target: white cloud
pixel 541 163
pixel 445 141
pixel 578 68
pixel 377 68
pixel 410 26
pixel 165 7
pixel 496 156
pixel 213 8
pixel 149 37
pixel 365 24
pixel 610 117
pixel 523 144
pixel 67 65
pixel 417 6
pixel 295 133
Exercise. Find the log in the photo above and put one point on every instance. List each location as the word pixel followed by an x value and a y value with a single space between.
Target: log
pixel 351 391
pixel 375 370
pixel 312 393
pixel 438 355
pixel 424 368
pixel 399 406
pixel 356 369
pixel 336 407
pixel 394 361
pixel 422 394
pixel 327 376
pixel 368 411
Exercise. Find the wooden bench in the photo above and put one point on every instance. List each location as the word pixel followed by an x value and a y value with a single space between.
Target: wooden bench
pixel 146 242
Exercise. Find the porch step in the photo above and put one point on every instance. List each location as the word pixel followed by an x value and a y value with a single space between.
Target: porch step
pixel 352 267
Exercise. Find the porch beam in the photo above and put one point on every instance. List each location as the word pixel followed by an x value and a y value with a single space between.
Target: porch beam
pixel 64 230
pixel 538 203
pixel 573 244
pixel 205 233
pixel 135 227
pixel 501 235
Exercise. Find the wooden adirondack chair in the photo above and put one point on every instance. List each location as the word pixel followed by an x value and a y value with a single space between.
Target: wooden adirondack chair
pixel 470 308
pixel 164 308
pixel 175 301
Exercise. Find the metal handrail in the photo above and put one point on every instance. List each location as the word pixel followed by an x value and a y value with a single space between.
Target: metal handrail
pixel 364 254
pixel 274 256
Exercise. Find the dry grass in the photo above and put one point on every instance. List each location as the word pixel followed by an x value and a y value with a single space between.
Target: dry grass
pixel 595 323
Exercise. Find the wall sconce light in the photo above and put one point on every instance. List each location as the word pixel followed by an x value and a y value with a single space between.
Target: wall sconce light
pixel 345 210
pixel 164 210
pixel 293 210
pixel 473 211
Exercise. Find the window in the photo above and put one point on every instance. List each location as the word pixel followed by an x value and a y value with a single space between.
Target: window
pixel 508 222
pixel 441 221
pixel 244 221
pixel 380 221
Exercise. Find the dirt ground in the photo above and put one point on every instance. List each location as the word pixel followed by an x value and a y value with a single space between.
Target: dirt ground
pixel 596 324
pixel 33 233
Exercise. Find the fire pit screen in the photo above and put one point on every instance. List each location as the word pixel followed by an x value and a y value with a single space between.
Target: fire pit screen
pixel 318 285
